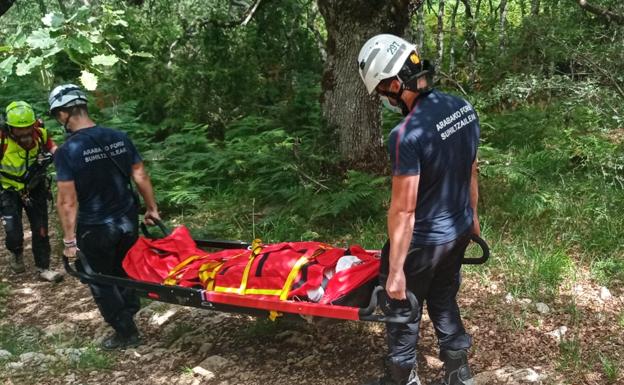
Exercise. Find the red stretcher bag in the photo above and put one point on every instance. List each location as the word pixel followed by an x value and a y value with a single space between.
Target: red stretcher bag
pixel 287 270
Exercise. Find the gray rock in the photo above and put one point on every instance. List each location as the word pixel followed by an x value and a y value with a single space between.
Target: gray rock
pixel 214 363
pixel 558 333
pixel 5 355
pixel 508 375
pixel 206 374
pixel 161 319
pixel 63 328
pixel 542 308
pixel 525 376
pixel 205 348
pixel 33 358
pixel 15 365
pixel 71 355
pixel 605 294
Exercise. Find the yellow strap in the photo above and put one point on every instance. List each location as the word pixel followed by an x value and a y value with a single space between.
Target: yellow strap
pixel 291 277
pixel 256 248
pixel 171 278
pixel 207 272
pixel 235 290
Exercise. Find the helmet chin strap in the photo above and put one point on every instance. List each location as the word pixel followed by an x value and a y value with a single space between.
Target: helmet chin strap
pixel 67 130
pixel 397 97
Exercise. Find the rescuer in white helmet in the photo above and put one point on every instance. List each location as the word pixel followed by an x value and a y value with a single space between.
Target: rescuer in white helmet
pixel 433 210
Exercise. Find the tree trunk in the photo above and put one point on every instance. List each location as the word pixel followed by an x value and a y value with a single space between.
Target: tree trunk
pixel 440 35
pixel 535 7
pixel 420 32
pixel 604 13
pixel 452 39
pixel 471 38
pixel 503 26
pixel 347 107
pixel 5 5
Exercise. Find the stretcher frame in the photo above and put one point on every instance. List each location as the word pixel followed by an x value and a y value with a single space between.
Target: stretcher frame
pixel 376 311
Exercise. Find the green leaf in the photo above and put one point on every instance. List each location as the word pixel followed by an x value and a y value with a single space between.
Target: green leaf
pixel 95 37
pixel 53 20
pixel 5 48
pixel 79 43
pixel 52 51
pixel 6 66
pixel 104 60
pixel 24 67
pixel 88 80
pixel 40 39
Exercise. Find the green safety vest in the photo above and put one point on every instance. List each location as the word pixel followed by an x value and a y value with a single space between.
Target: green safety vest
pixel 15 160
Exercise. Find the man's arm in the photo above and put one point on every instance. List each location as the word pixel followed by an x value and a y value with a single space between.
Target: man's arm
pixel 474 197
pixel 400 227
pixel 144 185
pixel 67 206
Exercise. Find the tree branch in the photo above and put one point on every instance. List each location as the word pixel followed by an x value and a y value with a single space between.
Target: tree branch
pixel 199 24
pixel 605 14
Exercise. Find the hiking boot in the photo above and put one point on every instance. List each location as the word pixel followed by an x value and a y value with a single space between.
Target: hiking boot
pixel 396 375
pixel 50 275
pixel 456 369
pixel 389 381
pixel 17 263
pixel 117 341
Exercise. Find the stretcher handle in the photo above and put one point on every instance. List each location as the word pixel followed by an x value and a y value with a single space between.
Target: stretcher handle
pixel 485 249
pixel 209 243
pixel 380 296
pixel 161 226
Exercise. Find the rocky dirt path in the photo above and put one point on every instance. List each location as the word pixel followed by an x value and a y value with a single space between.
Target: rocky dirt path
pixel 515 341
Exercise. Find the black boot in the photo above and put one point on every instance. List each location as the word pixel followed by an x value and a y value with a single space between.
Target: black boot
pixel 117 341
pixel 456 369
pixel 397 375
pixel 16 262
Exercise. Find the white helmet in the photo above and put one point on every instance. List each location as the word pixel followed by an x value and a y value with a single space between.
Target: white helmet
pixel 382 57
pixel 66 95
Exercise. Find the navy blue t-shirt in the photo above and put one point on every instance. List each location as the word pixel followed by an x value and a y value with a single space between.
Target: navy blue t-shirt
pixel 103 192
pixel 438 140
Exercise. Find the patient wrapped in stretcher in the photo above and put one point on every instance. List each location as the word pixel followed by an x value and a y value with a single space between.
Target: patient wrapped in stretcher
pixel 310 271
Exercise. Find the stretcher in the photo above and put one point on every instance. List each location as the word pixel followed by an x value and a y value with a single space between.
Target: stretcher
pixel 368 302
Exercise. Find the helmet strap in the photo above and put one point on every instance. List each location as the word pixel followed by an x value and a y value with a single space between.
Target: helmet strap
pixel 397 97
pixel 67 130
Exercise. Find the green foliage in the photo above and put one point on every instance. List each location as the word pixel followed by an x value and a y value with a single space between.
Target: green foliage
pixel 610 368
pixel 4 293
pixel 539 273
pixel 75 43
pixel 94 359
pixel 18 339
pixel 608 270
pixel 571 354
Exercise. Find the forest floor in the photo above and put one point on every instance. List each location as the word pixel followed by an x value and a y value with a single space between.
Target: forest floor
pixel 578 338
